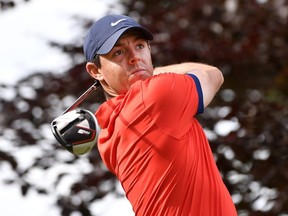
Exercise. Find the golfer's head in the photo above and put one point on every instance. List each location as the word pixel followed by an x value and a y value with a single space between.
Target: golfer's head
pixel 104 33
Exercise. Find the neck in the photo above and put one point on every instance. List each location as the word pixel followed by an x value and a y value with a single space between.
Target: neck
pixel 107 96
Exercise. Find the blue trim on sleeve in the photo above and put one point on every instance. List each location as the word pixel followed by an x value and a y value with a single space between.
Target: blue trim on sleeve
pixel 200 93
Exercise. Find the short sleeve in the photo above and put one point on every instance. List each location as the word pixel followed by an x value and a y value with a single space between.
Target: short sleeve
pixel 172 101
pixel 200 93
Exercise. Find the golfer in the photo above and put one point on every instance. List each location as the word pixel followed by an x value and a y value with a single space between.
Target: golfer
pixel 150 138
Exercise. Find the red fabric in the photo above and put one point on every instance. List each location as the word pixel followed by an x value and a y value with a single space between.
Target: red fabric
pixel 152 142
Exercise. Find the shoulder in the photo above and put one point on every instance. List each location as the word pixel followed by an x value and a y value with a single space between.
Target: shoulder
pixel 165 83
pixel 171 100
pixel 167 86
pixel 169 91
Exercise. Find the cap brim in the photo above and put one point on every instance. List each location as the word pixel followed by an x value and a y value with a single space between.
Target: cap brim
pixel 111 41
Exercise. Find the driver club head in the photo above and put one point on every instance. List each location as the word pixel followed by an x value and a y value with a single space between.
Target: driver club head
pixel 76 130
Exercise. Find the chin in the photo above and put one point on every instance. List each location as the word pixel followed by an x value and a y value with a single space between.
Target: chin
pixel 138 78
pixel 141 75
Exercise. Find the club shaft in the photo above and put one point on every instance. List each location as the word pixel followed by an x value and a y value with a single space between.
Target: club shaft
pixel 82 97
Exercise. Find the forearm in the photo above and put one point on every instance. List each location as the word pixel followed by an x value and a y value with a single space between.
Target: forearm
pixel 183 68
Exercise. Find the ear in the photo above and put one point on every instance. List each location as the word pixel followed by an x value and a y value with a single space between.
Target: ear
pixel 93 71
pixel 149 45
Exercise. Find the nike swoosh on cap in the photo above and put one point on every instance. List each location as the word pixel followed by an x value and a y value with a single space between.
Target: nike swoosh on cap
pixel 116 23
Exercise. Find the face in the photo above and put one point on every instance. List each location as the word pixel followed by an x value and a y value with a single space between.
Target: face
pixel 128 62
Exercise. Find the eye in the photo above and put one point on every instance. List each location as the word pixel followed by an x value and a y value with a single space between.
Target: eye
pixel 140 45
pixel 118 52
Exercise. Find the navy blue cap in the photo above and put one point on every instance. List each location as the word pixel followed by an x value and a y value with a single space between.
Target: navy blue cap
pixel 105 32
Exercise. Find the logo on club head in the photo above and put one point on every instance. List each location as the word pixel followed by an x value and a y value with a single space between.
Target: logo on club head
pixel 81 131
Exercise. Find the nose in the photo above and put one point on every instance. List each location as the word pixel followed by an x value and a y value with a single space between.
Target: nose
pixel 134 57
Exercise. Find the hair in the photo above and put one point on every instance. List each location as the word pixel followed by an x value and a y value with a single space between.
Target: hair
pixel 96 61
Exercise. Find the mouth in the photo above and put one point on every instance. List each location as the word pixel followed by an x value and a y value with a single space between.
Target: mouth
pixel 137 71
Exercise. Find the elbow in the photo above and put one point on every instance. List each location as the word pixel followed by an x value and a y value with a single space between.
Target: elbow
pixel 221 77
pixel 217 77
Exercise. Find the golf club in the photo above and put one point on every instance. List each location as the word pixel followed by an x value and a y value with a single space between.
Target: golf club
pixel 83 97
pixel 77 129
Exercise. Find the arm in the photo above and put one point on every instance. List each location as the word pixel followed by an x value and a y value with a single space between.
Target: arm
pixel 210 77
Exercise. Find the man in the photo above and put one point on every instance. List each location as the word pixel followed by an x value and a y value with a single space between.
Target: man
pixel 150 138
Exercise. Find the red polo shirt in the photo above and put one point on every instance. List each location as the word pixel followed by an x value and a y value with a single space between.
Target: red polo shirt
pixel 152 142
